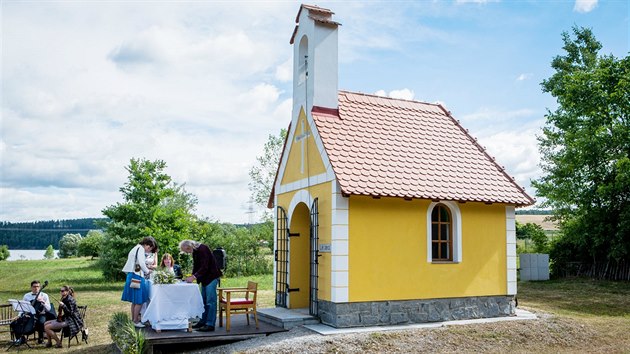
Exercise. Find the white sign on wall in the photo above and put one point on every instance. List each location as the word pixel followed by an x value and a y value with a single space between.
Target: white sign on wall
pixel 324 247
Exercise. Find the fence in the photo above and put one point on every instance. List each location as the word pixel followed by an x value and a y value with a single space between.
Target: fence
pixel 534 266
pixel 607 271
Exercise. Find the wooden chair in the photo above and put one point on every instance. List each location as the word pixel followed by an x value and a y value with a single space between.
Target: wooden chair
pixel 7 315
pixel 84 330
pixel 230 304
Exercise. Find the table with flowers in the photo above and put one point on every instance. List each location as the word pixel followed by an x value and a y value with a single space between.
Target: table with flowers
pixel 172 305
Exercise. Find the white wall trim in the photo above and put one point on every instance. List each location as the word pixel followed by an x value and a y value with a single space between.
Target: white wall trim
pixel 457 230
pixel 303 196
pixel 510 238
pixel 305 183
pixel 340 246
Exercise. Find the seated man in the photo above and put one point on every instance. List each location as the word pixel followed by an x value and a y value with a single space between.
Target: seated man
pixel 43 310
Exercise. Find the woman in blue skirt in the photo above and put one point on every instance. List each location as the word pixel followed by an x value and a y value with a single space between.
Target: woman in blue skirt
pixel 136 269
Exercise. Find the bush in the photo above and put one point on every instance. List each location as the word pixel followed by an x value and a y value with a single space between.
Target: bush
pixel 69 245
pixel 536 234
pixel 124 334
pixel 114 255
pixel 50 252
pixel 91 244
pixel 4 252
pixel 246 248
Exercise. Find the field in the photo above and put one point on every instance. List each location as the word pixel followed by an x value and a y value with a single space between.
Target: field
pixel 102 297
pixel 575 315
pixel 541 220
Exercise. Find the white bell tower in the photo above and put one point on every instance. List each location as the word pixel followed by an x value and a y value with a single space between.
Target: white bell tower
pixel 315 60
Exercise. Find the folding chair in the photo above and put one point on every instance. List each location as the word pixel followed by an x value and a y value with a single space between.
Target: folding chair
pixel 84 330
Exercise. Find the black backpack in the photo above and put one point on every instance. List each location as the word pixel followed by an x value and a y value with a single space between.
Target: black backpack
pixel 221 257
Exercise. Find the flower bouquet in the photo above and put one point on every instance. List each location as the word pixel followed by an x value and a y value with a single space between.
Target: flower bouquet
pixel 163 276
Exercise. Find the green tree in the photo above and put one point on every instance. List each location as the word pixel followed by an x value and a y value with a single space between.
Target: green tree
pixel 4 252
pixel 535 233
pixel 263 173
pixel 263 232
pixel 246 252
pixel 154 206
pixel 92 244
pixel 585 149
pixel 69 245
pixel 50 252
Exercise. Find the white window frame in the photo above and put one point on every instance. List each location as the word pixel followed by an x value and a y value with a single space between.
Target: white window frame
pixel 456 225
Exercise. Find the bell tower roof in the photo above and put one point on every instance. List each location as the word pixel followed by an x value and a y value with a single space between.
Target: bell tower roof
pixel 315 59
pixel 315 13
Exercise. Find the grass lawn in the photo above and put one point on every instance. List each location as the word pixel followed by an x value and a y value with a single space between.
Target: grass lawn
pixel 603 307
pixel 102 297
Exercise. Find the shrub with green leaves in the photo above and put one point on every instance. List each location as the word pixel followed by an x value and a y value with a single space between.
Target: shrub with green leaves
pixel 125 335
pixel 69 245
pixel 246 248
pixel 4 252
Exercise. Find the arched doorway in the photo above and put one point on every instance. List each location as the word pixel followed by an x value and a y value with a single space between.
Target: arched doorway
pixel 297 255
pixel 299 246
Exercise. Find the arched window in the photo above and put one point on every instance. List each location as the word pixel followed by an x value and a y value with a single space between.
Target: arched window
pixel 444 232
pixel 302 64
pixel 441 234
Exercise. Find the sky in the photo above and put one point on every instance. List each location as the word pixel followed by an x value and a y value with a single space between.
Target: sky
pixel 89 85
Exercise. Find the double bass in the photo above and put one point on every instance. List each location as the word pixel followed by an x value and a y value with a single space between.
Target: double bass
pixel 25 324
pixel 37 305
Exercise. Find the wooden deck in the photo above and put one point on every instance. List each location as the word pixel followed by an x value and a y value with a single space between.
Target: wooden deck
pixel 168 341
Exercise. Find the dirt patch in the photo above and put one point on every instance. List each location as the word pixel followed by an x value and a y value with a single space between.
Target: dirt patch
pixel 549 333
pixel 542 220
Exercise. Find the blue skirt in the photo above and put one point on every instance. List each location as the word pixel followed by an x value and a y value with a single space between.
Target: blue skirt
pixel 135 296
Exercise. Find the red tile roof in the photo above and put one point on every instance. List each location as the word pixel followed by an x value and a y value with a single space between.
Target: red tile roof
pixel 314 9
pixel 381 146
pixel 317 14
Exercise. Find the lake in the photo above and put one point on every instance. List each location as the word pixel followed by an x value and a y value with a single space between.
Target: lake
pixel 19 255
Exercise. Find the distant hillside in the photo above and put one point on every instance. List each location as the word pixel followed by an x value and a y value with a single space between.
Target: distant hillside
pixel 539 220
pixel 38 235
pixel 533 212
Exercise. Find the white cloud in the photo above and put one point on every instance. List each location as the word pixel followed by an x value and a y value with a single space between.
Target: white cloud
pixel 365 34
pixel 584 6
pixel 491 114
pixel 517 152
pixel 89 85
pixel 511 137
pixel 404 94
pixel 190 86
pixel 284 71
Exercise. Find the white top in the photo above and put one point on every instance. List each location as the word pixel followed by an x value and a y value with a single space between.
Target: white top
pixel 43 297
pixel 131 261
pixel 150 258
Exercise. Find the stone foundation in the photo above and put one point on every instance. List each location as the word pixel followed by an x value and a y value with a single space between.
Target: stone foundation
pixel 381 313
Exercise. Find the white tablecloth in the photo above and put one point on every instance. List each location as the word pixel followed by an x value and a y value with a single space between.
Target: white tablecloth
pixel 172 305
